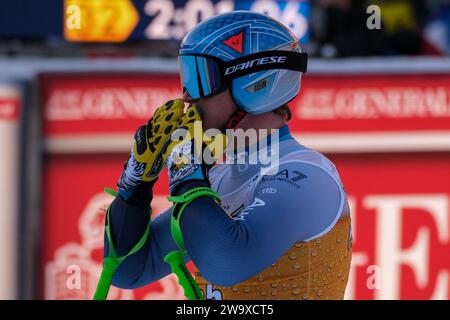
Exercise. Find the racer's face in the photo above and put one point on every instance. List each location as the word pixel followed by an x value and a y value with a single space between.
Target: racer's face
pixel 215 110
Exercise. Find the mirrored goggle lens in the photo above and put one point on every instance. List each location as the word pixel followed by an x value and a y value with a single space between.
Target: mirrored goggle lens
pixel 200 76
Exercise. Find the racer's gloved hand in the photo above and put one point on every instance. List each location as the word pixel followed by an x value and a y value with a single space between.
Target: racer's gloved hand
pixel 189 154
pixel 145 162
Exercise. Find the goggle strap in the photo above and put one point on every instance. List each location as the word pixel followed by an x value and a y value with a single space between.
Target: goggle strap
pixel 266 60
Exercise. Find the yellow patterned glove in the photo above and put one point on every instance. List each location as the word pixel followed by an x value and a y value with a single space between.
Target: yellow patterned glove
pixel 145 162
pixel 189 154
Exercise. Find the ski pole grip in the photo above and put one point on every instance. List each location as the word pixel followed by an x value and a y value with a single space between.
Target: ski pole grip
pixel 109 267
pixel 185 279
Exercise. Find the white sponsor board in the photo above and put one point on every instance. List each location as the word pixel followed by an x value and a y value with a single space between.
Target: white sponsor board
pixel 9 160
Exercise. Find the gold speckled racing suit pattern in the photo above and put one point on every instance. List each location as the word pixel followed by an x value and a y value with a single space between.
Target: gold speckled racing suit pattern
pixel 317 269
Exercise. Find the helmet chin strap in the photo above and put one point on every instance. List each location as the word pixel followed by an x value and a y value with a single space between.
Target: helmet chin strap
pixel 235 118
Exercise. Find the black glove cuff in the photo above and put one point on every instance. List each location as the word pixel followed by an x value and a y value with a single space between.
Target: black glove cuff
pixel 188 185
pixel 143 194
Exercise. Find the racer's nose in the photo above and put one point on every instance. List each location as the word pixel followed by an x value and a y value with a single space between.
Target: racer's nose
pixel 186 97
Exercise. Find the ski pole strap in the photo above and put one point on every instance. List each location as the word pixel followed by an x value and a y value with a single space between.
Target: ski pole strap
pixel 112 262
pixel 175 258
pixel 180 203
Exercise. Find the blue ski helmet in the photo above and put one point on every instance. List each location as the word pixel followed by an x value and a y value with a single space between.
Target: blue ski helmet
pixel 253 55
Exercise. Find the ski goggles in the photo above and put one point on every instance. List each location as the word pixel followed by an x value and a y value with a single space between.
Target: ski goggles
pixel 203 76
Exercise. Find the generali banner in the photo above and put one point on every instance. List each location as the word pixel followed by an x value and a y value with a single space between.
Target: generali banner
pixel 400 201
pixel 339 104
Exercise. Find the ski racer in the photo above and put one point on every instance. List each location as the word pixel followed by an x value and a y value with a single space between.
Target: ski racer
pixel 253 230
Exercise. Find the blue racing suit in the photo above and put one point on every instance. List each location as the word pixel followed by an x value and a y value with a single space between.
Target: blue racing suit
pixel 283 235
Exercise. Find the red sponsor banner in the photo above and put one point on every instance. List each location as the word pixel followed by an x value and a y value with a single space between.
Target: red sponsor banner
pixel 400 206
pixel 9 103
pixel 9 109
pixel 373 103
pixel 103 103
pixel 343 104
pixel 400 203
